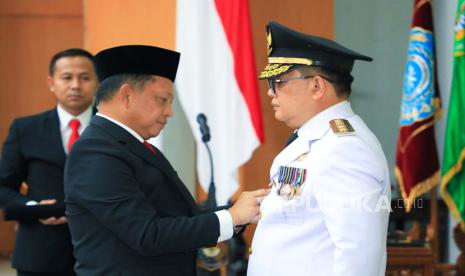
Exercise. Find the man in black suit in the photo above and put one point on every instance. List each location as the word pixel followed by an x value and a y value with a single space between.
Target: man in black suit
pixel 128 211
pixel 35 151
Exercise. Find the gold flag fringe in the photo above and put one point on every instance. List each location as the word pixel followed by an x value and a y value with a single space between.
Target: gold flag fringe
pixel 419 188
pixel 446 195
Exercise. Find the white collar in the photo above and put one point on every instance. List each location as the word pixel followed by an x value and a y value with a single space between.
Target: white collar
pixel 318 125
pixel 64 117
pixel 128 129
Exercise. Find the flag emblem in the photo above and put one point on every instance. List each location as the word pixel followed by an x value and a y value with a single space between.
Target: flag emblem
pixel 417 100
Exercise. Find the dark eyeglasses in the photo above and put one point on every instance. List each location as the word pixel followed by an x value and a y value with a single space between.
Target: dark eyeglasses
pixel 272 82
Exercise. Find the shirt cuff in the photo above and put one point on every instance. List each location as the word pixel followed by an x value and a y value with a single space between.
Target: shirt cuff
pixel 226 225
pixel 31 203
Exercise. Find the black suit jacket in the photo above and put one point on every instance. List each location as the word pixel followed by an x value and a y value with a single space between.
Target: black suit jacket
pixel 33 152
pixel 128 212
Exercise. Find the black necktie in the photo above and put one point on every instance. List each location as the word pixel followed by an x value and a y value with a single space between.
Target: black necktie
pixel 292 138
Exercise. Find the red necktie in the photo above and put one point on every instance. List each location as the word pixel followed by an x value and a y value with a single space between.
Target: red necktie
pixel 74 124
pixel 150 147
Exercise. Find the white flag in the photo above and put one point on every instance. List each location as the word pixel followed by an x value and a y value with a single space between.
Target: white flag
pixel 217 77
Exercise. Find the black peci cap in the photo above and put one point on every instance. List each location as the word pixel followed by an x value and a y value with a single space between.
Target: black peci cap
pixel 137 59
pixel 288 49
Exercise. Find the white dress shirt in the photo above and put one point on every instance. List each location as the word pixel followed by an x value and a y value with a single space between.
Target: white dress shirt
pixel 224 217
pixel 65 118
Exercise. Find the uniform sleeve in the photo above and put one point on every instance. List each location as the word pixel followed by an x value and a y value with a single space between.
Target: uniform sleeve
pixel 99 178
pixel 351 191
pixel 13 168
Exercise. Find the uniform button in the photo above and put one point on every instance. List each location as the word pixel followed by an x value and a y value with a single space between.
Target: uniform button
pixel 250 250
pixel 260 215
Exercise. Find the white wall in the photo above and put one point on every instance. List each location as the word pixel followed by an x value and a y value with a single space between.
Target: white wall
pixel 179 146
pixel 444 15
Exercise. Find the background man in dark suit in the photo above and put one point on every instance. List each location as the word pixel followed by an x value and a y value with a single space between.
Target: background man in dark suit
pixel 35 151
pixel 129 213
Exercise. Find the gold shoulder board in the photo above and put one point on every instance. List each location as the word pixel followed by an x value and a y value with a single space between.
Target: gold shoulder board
pixel 341 127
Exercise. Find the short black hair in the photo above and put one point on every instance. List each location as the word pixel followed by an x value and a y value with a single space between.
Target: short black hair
pixel 72 52
pixel 109 86
pixel 341 82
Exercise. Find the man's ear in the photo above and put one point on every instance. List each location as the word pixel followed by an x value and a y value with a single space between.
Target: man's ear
pixel 125 95
pixel 318 87
pixel 50 84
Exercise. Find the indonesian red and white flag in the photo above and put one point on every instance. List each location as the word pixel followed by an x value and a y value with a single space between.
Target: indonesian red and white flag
pixel 217 77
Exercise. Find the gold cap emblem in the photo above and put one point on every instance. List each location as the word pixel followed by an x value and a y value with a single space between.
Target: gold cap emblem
pixel 268 41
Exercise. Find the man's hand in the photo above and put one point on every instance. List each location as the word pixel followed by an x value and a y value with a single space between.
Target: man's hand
pixel 247 207
pixel 51 220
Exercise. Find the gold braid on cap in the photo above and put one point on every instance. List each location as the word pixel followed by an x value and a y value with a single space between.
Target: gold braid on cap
pixel 290 60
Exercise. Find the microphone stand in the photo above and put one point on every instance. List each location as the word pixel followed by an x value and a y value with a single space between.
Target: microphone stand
pixel 228 254
pixel 211 199
pixel 211 259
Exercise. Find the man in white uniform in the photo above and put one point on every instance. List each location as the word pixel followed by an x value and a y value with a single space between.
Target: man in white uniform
pixel 327 213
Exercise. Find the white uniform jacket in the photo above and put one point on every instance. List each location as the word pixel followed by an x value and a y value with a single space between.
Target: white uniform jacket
pixel 337 223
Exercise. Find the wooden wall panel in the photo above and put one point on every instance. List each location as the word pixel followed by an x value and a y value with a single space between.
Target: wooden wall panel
pixel 111 23
pixel 31 31
pixel 40 8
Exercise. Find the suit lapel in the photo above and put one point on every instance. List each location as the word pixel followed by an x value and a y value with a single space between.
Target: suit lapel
pixel 158 160
pixel 178 182
pixel 53 136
